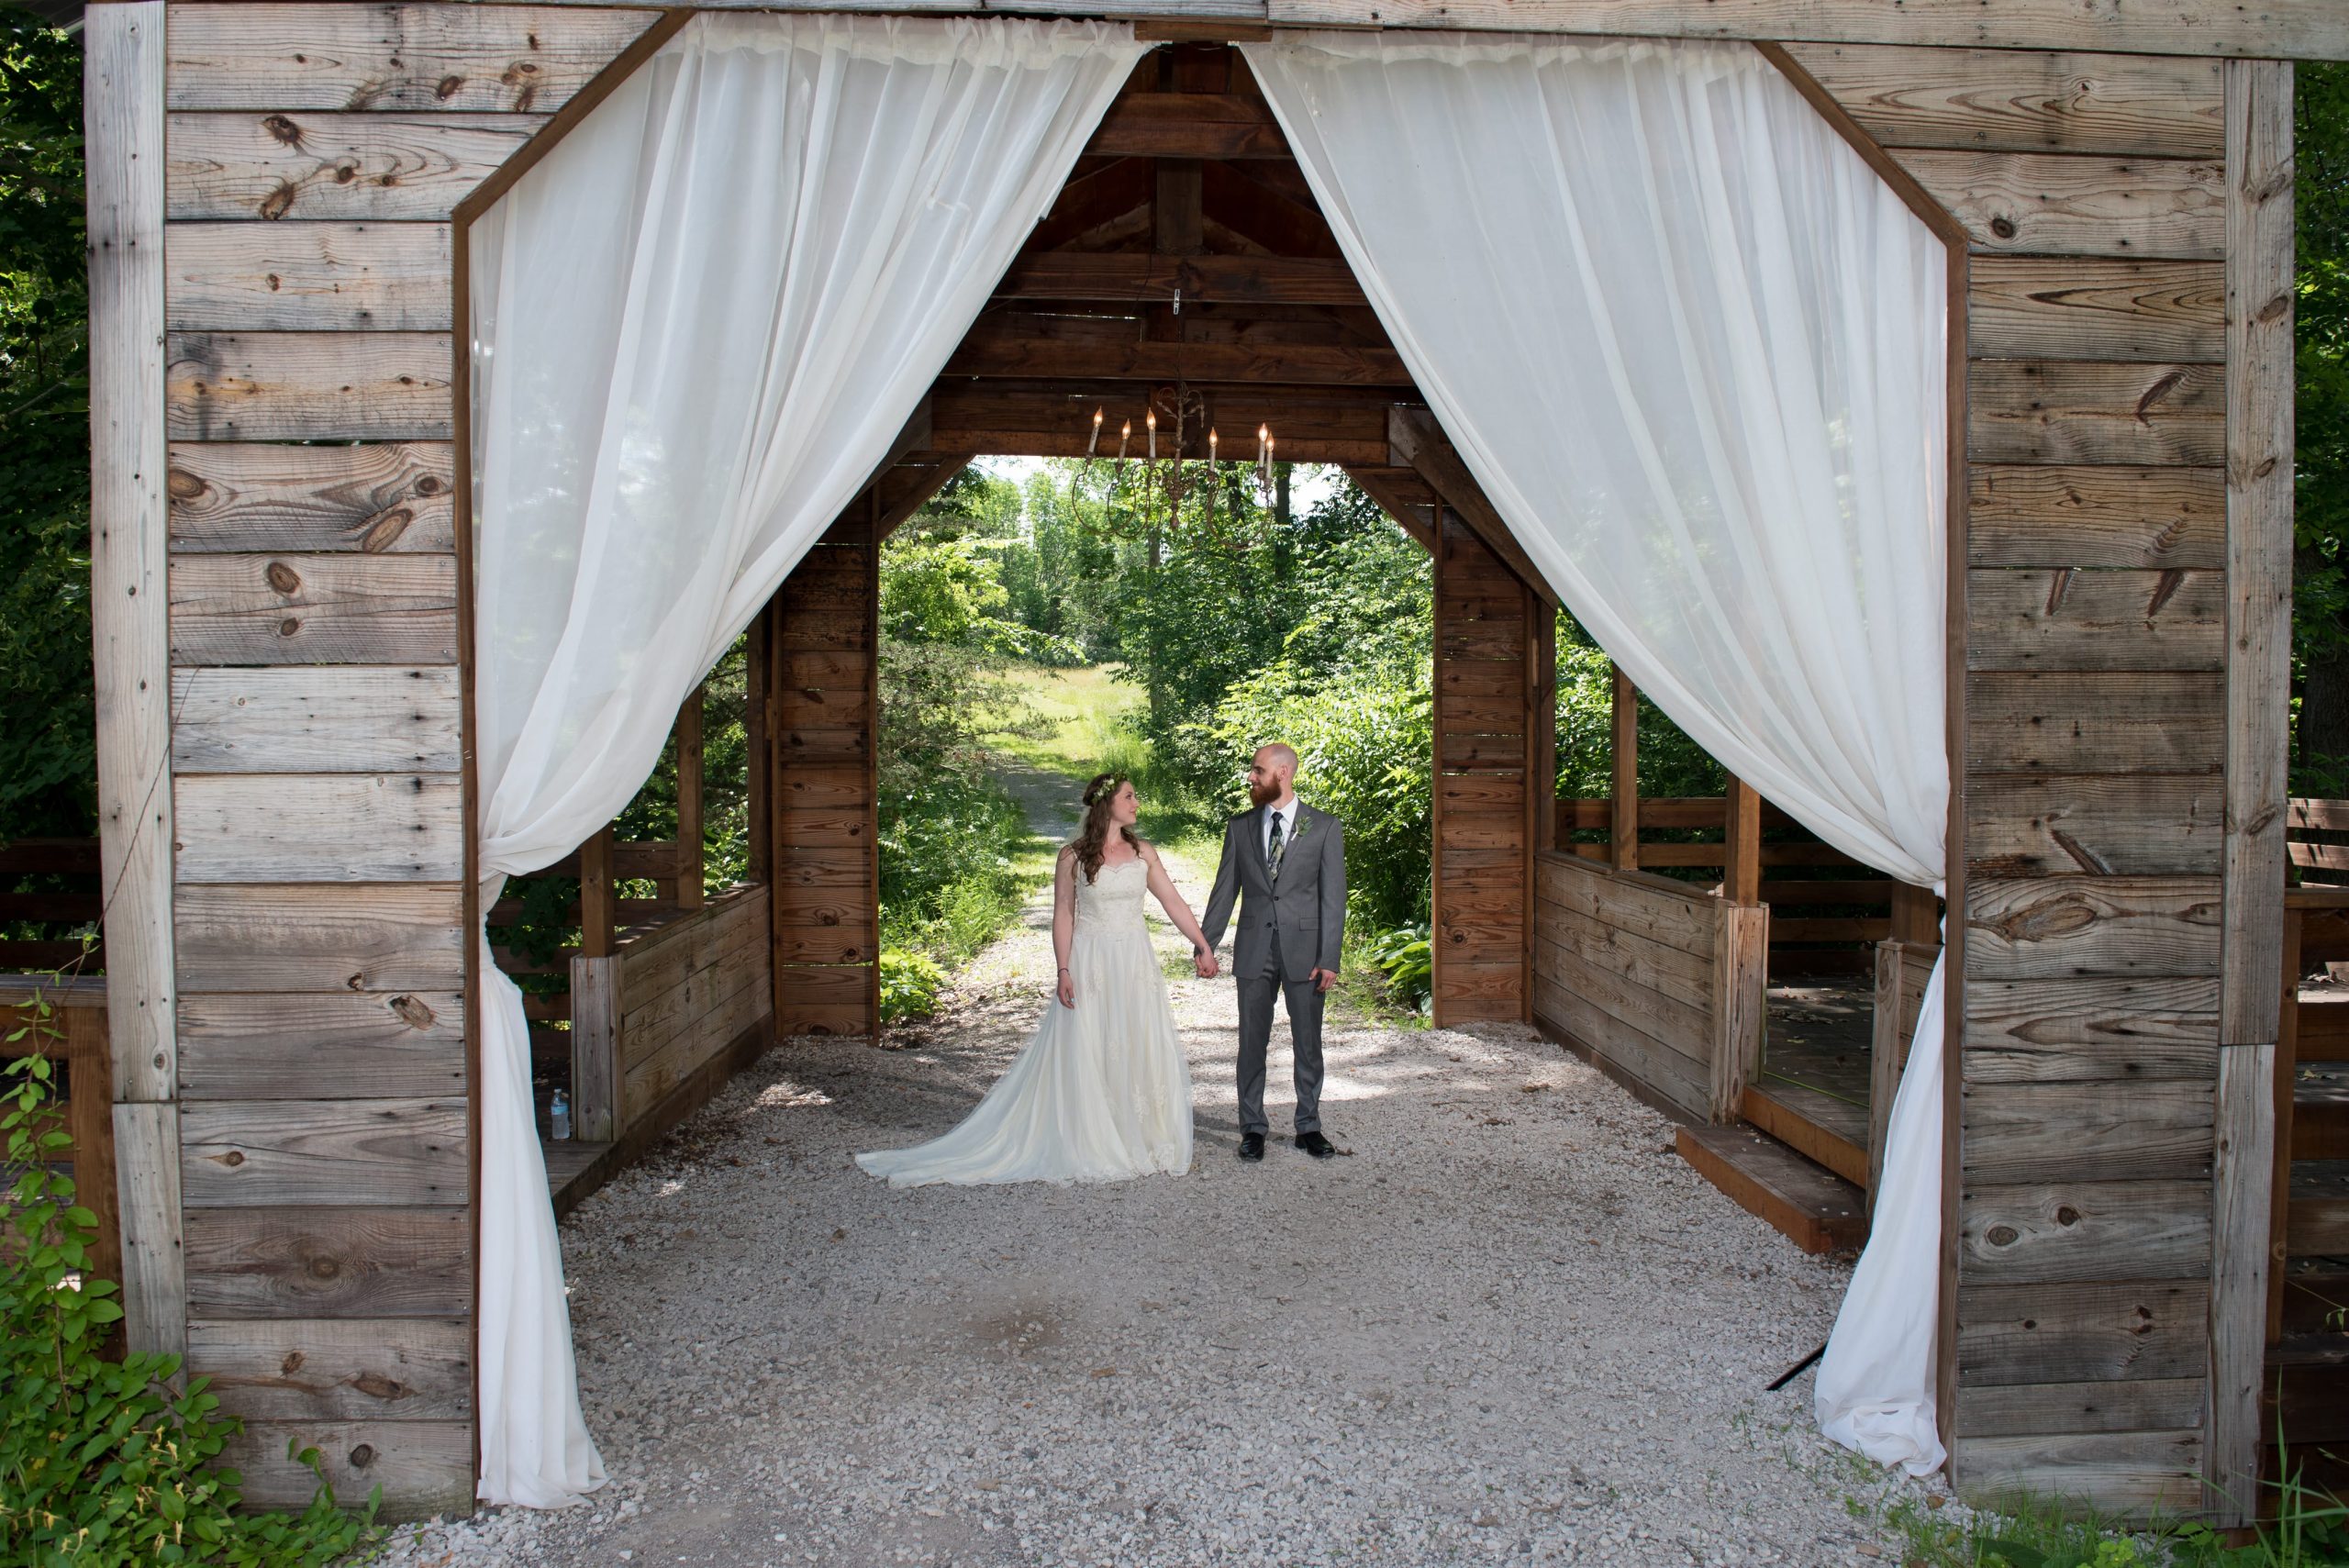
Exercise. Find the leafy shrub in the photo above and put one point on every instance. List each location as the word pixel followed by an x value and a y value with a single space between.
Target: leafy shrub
pixel 100 1462
pixel 1406 956
pixel 910 982
pixel 1363 745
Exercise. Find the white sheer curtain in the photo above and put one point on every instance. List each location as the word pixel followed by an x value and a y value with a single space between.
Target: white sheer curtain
pixel 1693 350
pixel 697 326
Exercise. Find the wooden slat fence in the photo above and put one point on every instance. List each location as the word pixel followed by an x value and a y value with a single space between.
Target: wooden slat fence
pixel 1655 980
pixel 1827 910
pixel 48 889
pixel 673 866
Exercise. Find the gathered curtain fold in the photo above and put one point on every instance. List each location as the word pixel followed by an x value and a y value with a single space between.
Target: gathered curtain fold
pixel 697 326
pixel 1693 350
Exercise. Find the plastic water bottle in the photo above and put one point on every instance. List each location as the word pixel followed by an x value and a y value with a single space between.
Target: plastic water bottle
pixel 560 1114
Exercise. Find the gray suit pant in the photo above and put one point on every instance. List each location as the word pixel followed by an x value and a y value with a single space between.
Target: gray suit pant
pixel 1256 1036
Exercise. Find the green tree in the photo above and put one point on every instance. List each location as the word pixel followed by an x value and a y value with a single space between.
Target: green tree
pixel 2321 593
pixel 49 781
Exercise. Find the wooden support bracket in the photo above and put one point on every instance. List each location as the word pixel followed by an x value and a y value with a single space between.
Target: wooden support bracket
pixel 1417 441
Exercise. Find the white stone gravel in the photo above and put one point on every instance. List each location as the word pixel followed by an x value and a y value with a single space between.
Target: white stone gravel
pixel 1513 1327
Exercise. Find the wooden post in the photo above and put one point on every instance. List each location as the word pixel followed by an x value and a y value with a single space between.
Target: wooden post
pixel 1625 806
pixel 598 902
pixel 1885 1054
pixel 689 817
pixel 757 696
pixel 123 93
pixel 1916 917
pixel 1542 724
pixel 1742 844
pixel 596 1048
pixel 2287 1055
pixel 2259 385
pixel 1741 1001
pixel 1541 766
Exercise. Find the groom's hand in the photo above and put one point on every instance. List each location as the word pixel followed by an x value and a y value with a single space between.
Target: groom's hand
pixel 1203 961
pixel 1324 978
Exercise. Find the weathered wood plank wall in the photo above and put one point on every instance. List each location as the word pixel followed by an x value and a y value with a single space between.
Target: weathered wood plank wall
pixel 2094 192
pixel 313 157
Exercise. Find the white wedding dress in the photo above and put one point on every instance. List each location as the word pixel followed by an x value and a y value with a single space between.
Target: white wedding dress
pixel 1100 1092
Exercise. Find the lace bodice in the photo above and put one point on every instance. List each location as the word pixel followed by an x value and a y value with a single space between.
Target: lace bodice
pixel 1112 901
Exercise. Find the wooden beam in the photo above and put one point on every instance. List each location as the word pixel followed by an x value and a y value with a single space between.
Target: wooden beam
pixel 1188 124
pixel 1153 278
pixel 990 350
pixel 757 694
pixel 123 53
pixel 1175 211
pixel 617 70
pixel 1624 804
pixel 2294 29
pixel 129 539
pixel 1413 513
pixel 595 1005
pixel 1419 442
pixel 1742 844
pixel 689 803
pixel 598 912
pixel 905 490
pixel 2259 180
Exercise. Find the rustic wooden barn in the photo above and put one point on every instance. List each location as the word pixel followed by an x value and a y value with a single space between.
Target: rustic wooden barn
pixel 278 200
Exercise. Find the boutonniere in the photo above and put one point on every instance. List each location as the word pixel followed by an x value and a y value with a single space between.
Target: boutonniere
pixel 1302 824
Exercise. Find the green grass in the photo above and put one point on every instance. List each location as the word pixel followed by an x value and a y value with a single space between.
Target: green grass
pixel 1087 726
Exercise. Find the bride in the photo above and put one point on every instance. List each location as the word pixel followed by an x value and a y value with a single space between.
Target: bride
pixel 1100 1092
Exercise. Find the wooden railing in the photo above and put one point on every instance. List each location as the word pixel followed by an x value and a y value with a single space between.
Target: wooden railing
pixel 1797 873
pixel 671 1004
pixel 1655 980
pixel 674 867
pixel 58 911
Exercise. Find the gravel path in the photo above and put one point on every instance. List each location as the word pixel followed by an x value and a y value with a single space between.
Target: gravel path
pixel 1514 1327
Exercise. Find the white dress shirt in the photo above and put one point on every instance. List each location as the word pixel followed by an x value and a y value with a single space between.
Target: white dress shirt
pixel 1287 814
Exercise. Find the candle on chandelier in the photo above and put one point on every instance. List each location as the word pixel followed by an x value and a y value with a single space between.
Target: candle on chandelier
pixel 1125 434
pixel 1150 418
pixel 1210 443
pixel 1096 441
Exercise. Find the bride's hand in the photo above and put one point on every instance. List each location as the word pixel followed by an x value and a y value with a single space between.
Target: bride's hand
pixel 1067 990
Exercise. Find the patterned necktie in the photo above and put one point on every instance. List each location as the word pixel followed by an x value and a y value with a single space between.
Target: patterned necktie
pixel 1273 852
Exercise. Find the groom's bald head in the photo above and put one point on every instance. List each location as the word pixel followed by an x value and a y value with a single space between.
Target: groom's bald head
pixel 1269 772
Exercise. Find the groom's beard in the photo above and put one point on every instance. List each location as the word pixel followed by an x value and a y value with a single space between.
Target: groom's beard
pixel 1264 795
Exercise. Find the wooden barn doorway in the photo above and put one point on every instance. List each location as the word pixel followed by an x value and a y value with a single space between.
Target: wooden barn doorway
pixel 1187 249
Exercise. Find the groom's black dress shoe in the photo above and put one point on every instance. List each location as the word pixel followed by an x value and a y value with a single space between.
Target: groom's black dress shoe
pixel 1313 1143
pixel 1252 1146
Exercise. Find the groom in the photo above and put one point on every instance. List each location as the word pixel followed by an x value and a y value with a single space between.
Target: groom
pixel 1292 861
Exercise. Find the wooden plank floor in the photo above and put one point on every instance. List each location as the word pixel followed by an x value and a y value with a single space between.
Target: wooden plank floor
pixel 574 1170
pixel 1812 1091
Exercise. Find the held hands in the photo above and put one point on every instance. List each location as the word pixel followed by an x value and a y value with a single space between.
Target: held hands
pixel 1203 961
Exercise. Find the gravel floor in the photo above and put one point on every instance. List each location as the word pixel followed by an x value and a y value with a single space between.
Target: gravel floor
pixel 1514 1327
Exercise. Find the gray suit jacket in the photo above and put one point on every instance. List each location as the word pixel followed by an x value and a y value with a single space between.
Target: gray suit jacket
pixel 1309 906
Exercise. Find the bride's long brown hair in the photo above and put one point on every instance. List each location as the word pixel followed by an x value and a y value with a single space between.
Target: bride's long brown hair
pixel 1094 837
